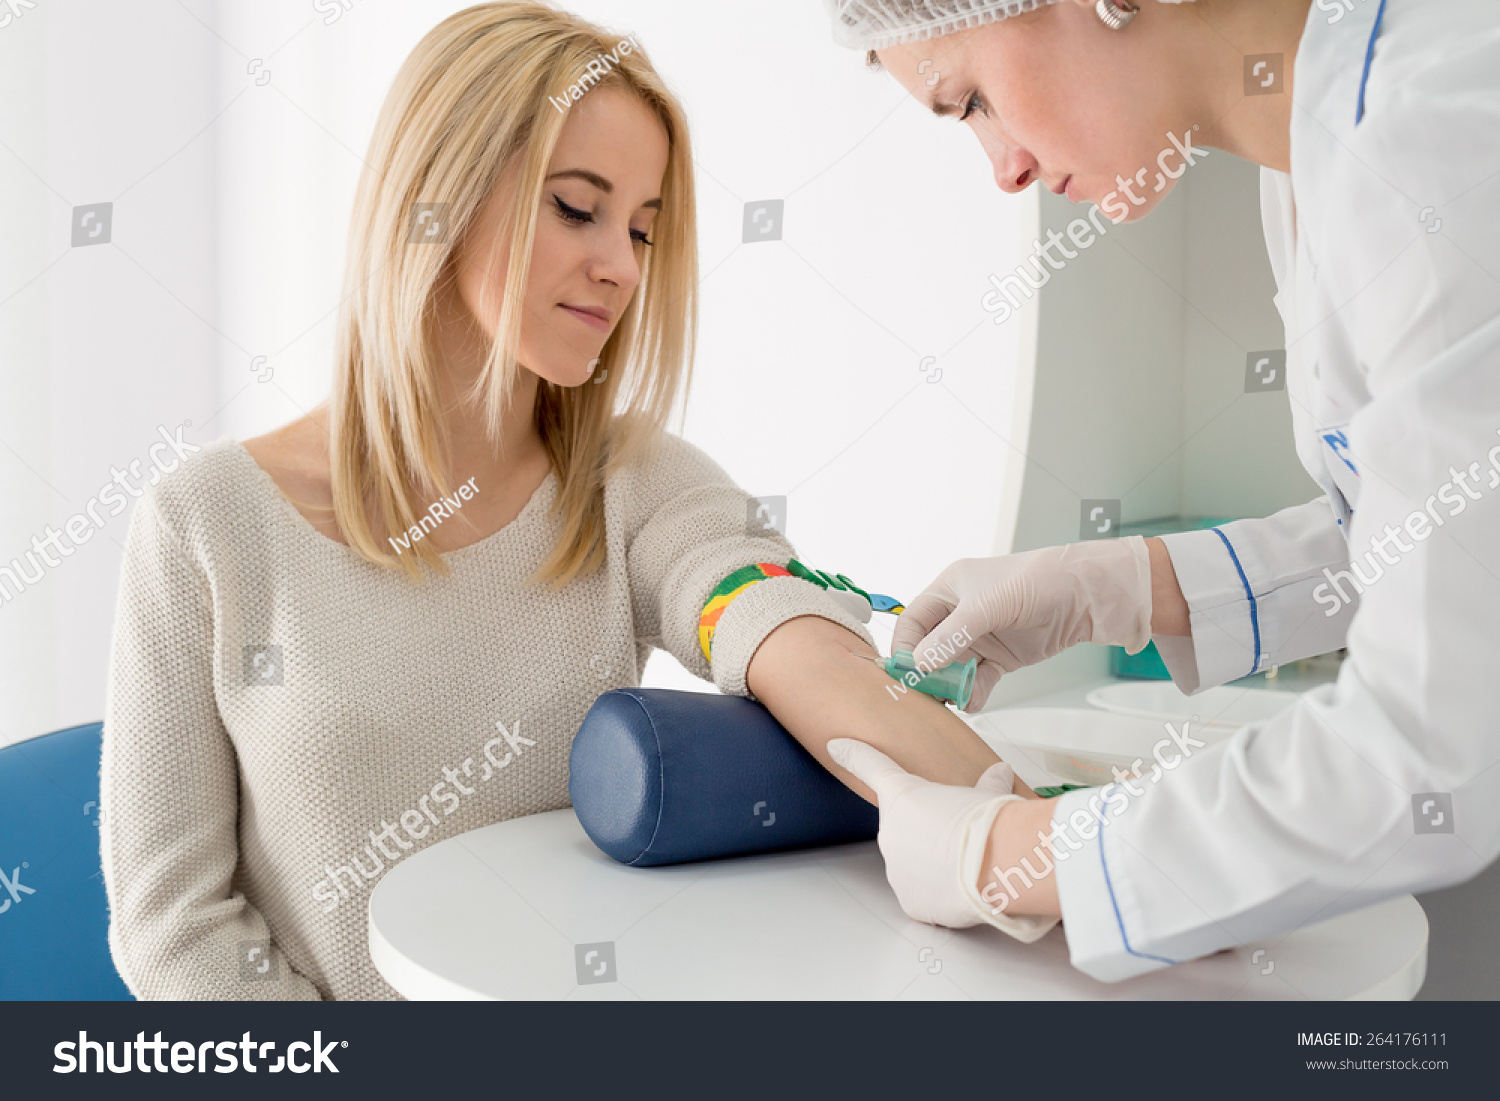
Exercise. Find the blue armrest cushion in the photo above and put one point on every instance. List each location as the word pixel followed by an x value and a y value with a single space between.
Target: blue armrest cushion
pixel 663 777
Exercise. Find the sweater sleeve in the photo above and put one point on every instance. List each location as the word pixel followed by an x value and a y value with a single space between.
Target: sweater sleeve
pixel 692 528
pixel 170 788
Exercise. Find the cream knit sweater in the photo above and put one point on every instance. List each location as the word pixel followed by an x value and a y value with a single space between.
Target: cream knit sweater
pixel 286 720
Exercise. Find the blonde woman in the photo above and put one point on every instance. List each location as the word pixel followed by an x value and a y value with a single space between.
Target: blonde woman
pixel 380 625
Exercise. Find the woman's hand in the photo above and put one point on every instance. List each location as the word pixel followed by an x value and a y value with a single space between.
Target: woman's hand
pixel 1023 608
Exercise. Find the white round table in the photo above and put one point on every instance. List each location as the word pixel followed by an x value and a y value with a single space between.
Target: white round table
pixel 530 909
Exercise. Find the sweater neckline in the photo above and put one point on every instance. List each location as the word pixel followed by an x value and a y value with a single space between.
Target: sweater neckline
pixel 540 498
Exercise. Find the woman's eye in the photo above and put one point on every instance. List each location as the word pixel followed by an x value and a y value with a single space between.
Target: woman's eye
pixel 579 217
pixel 970 106
pixel 572 214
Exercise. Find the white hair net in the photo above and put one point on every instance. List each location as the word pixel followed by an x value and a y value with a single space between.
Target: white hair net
pixel 876 24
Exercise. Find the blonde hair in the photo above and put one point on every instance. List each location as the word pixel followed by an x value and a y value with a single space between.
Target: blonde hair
pixel 472 97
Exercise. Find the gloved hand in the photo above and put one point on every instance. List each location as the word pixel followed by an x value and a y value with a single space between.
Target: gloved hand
pixel 1022 608
pixel 933 836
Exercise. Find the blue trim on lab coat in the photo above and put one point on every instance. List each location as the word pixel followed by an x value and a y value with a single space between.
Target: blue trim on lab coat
pixel 1249 595
pixel 1359 113
pixel 1109 884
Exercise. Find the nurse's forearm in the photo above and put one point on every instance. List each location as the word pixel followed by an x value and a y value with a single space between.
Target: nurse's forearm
pixel 1018 835
pixel 1169 610
pixel 807 674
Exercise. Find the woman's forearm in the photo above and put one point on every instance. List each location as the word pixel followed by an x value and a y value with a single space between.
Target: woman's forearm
pixel 809 676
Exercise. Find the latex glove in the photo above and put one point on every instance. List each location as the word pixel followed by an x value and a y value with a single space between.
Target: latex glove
pixel 933 838
pixel 1020 609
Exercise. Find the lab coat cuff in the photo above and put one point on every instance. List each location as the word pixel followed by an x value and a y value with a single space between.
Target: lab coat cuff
pixel 1100 913
pixel 759 610
pixel 1230 624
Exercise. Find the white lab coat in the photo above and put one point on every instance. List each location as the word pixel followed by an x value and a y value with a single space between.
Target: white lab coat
pixel 1385 242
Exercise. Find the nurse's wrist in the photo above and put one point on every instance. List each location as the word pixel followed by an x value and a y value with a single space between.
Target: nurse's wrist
pixel 1169 609
pixel 1018 833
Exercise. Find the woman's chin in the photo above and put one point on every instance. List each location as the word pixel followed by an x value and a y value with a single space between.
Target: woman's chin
pixel 573 376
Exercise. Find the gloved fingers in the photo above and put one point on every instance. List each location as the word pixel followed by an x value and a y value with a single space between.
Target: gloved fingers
pixel 883 775
pixel 986 676
pixel 952 639
pixel 993 649
pixel 917 621
pixel 999 778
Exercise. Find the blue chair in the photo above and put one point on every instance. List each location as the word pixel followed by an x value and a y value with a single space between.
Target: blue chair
pixel 54 920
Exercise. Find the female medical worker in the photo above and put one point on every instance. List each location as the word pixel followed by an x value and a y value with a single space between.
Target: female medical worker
pixel 1380 193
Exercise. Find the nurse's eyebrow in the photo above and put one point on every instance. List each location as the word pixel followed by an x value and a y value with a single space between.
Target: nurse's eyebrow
pixel 598 181
pixel 941 110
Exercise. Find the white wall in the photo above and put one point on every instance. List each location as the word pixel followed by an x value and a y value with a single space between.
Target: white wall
pixel 232 205
pixel 103 102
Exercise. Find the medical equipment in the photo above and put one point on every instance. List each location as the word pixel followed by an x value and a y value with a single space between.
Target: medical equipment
pixel 663 777
pixel 952 682
pixel 1033 605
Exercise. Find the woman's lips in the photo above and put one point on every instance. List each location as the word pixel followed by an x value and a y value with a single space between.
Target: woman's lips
pixel 589 319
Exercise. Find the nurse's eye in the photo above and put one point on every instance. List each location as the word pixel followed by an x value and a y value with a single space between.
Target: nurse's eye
pixel 972 104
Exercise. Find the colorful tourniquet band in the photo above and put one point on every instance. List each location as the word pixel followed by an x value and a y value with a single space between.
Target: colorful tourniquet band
pixel 725 591
pixel 741 579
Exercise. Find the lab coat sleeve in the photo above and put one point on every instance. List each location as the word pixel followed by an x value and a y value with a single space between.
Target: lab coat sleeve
pixel 1382 783
pixel 1258 595
pixel 1386 781
pixel 690 527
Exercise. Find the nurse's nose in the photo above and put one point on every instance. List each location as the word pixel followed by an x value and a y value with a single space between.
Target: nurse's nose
pixel 1015 168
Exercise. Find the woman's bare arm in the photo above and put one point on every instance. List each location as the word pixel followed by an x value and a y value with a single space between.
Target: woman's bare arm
pixel 807 674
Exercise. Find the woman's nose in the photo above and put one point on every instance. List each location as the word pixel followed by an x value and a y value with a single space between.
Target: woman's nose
pixel 616 263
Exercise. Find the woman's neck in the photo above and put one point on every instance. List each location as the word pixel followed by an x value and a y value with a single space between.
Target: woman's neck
pixel 463 349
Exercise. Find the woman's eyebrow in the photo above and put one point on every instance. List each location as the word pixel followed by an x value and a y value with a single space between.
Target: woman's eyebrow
pixel 598 181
